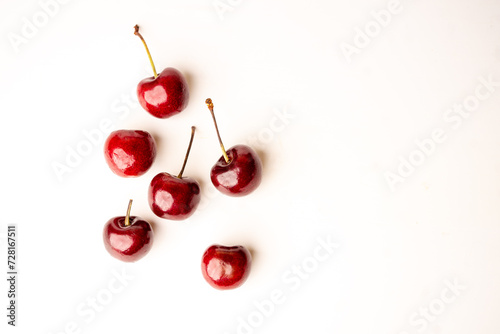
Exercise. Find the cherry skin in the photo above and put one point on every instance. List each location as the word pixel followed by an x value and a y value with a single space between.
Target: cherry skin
pixel 174 197
pixel 241 175
pixel 127 238
pixel 226 267
pixel 239 171
pixel 129 153
pixel 162 95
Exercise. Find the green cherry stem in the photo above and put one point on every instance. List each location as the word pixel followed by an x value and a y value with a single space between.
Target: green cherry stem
pixel 136 32
pixel 127 217
pixel 210 106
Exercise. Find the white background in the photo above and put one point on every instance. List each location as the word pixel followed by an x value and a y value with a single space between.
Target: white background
pixel 350 121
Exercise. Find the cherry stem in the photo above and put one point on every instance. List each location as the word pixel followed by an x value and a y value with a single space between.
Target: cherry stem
pixel 136 32
pixel 187 153
pixel 127 216
pixel 210 106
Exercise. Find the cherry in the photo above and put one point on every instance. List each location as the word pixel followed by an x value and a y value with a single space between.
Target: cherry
pixel 129 153
pixel 225 267
pixel 127 238
pixel 163 95
pixel 174 197
pixel 238 171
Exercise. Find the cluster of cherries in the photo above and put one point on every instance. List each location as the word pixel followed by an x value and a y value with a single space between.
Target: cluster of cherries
pixel 130 153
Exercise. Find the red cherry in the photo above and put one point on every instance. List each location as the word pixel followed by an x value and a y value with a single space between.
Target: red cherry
pixel 127 238
pixel 225 267
pixel 163 95
pixel 241 175
pixel 129 153
pixel 238 171
pixel 174 197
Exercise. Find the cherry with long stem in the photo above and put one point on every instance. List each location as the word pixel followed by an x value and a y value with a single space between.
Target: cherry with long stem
pixel 137 33
pixel 127 216
pixel 187 153
pixel 210 106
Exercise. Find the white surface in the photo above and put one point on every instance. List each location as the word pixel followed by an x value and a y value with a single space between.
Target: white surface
pixel 324 170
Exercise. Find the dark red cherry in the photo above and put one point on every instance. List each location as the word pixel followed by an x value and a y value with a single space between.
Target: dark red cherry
pixel 128 238
pixel 225 267
pixel 129 153
pixel 238 171
pixel 162 95
pixel 174 197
